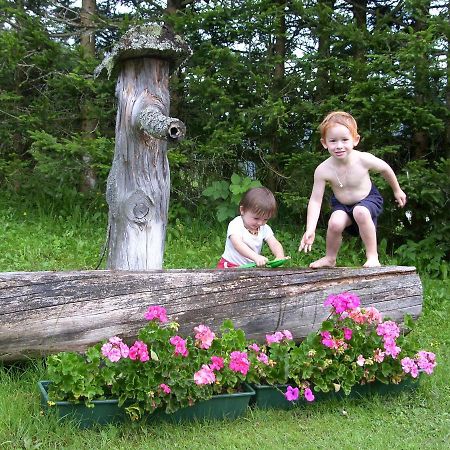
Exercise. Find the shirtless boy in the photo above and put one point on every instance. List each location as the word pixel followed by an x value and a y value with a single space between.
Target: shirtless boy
pixel 356 202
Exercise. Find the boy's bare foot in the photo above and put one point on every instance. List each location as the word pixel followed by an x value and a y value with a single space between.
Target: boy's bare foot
pixel 323 262
pixel 372 262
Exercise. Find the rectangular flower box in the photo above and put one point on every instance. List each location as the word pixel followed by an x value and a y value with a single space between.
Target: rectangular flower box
pixel 272 396
pixel 219 407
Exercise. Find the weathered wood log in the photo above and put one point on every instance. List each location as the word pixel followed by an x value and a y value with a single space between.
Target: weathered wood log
pixel 45 312
pixel 138 186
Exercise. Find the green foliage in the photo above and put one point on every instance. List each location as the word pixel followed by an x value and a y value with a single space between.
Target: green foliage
pixel 226 196
pixel 425 228
pixel 138 379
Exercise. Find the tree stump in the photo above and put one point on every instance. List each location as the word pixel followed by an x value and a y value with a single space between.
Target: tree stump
pixel 138 187
pixel 47 312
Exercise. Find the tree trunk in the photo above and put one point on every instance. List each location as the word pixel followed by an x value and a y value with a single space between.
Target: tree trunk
pixel 421 82
pixel 139 181
pixel 360 14
pixel 88 123
pixel 323 52
pixel 47 312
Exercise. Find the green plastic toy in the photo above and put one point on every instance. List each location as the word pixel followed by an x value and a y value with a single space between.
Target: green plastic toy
pixel 272 264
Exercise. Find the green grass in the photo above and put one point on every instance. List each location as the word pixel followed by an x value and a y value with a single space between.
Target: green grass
pixel 71 237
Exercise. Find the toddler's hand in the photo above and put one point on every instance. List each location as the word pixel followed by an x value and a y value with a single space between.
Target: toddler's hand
pixel 307 242
pixel 260 260
pixel 400 198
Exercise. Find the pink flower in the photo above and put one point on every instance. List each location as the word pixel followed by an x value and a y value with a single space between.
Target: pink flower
pixel 204 376
pixel 426 361
pixel 287 335
pixel 239 362
pixel 204 336
pixel 139 351
pixel 115 349
pixel 254 347
pixel 388 329
pixel 216 363
pixel 360 360
pixel 274 338
pixel 292 394
pixel 373 315
pixel 378 355
pixel 344 302
pixel 390 347
pixel 262 357
pixel 309 396
pixel 180 345
pixel 348 333
pixel 166 389
pixel 409 366
pixel 327 339
pixel 156 312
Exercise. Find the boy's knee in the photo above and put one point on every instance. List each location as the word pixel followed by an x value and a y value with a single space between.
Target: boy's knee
pixel 361 214
pixel 336 225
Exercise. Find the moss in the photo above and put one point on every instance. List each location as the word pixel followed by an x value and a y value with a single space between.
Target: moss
pixel 146 41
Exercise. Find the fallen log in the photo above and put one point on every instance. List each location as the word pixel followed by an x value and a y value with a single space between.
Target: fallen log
pixel 47 312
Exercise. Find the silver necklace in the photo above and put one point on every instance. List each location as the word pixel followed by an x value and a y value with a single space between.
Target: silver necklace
pixel 341 185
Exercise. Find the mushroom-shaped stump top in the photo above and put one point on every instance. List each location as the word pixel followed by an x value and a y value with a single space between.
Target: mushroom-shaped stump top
pixel 152 41
pixel 139 181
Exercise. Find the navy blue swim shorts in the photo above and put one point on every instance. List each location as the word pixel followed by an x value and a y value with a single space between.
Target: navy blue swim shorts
pixel 373 202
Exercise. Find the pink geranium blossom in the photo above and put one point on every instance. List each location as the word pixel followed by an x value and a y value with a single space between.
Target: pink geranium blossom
pixel 115 349
pixel 156 312
pixel 342 302
pixel 348 333
pixel 204 336
pixel 360 360
pixel 292 394
pixel 274 338
pixel 426 361
pixel 378 355
pixel 254 347
pixel 166 389
pixel 262 357
pixel 239 362
pixel 180 345
pixel 139 351
pixel 309 396
pixel 216 363
pixel 287 335
pixel 205 375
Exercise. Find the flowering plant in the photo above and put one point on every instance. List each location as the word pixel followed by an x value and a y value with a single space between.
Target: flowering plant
pixel 270 363
pixel 161 370
pixel 356 346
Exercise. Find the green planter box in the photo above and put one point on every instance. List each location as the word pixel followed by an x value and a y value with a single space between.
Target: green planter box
pixel 225 406
pixel 272 397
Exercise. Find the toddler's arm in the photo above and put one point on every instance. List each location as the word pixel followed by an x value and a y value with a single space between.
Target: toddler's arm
pixel 246 251
pixel 275 247
pixel 388 174
pixel 314 205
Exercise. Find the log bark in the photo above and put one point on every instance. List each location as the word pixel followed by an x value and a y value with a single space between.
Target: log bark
pixel 47 312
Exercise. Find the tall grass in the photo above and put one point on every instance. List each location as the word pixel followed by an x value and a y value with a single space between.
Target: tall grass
pixel 71 237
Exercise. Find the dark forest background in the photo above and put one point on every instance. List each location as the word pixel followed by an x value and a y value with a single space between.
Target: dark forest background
pixel 261 77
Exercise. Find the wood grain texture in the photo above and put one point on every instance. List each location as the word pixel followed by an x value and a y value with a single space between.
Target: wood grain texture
pixel 46 312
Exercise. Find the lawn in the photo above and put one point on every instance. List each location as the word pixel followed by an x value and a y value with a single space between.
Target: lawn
pixel 72 238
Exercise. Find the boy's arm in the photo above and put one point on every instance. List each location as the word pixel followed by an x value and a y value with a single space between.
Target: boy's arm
pixel 314 205
pixel 385 170
pixel 275 247
pixel 246 251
